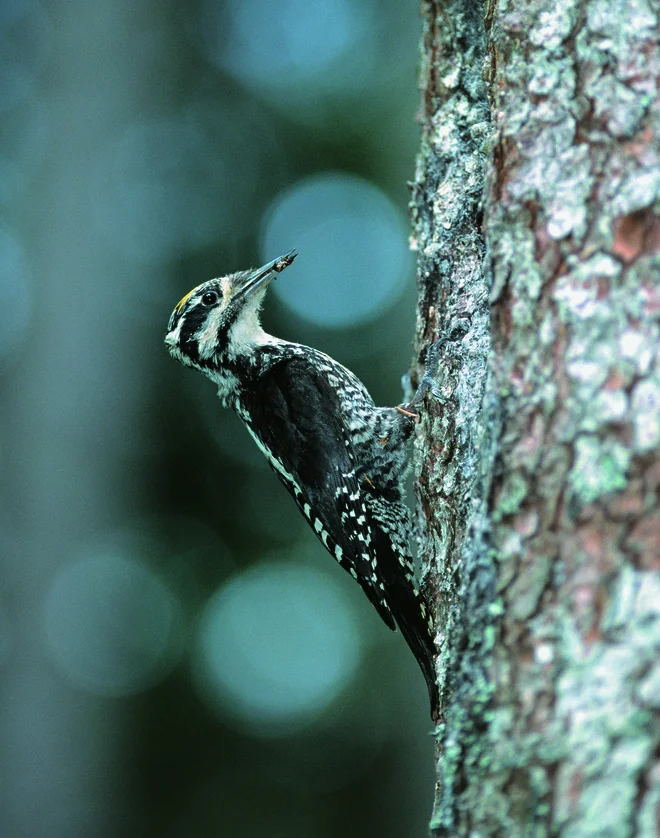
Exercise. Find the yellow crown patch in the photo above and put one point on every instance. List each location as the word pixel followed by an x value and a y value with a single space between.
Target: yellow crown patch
pixel 182 301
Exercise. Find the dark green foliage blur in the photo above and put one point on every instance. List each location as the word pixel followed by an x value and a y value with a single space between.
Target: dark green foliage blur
pixel 180 656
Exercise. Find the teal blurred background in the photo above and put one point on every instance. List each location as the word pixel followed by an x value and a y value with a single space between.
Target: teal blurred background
pixel 179 655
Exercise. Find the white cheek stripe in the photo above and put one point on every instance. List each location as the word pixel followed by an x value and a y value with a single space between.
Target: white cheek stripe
pixel 206 337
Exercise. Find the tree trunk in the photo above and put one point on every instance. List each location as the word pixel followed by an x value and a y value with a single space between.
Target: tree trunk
pixel 537 456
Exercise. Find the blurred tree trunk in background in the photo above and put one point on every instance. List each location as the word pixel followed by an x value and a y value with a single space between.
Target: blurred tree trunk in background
pixel 76 415
pixel 537 455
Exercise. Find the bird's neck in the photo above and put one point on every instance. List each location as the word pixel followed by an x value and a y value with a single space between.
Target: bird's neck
pixel 242 363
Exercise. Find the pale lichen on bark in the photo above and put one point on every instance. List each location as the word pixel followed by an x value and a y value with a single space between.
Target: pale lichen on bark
pixel 454 445
pixel 552 715
pixel 572 231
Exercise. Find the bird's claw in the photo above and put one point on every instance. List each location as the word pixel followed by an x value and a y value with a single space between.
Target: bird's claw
pixel 406 412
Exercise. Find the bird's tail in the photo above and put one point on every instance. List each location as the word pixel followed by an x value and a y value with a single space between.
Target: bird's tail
pixel 416 625
pixel 406 603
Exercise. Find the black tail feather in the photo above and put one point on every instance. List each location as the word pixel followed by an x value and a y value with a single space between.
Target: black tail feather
pixel 407 604
pixel 418 634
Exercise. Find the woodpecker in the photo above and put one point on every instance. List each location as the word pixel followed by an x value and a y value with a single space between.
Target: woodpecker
pixel 342 459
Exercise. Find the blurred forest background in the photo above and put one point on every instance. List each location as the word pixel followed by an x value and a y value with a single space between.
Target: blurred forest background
pixel 180 657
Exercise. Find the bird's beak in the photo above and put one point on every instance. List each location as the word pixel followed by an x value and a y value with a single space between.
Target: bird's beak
pixel 262 276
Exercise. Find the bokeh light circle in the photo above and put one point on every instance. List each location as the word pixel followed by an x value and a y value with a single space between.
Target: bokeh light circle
pixel 112 625
pixel 305 49
pixel 352 240
pixel 276 645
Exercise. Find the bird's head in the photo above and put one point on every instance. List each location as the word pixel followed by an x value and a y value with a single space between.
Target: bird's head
pixel 218 321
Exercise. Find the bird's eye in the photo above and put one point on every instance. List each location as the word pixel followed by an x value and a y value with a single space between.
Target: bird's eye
pixel 210 298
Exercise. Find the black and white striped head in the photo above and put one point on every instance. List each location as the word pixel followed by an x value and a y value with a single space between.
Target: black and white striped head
pixel 218 322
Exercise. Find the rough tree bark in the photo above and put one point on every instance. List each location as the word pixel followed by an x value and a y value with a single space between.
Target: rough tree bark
pixel 535 215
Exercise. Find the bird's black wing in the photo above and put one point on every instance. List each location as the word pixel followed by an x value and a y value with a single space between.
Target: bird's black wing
pixel 293 413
